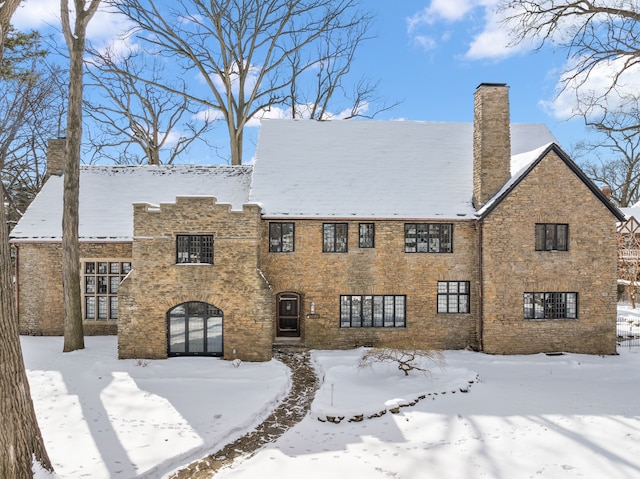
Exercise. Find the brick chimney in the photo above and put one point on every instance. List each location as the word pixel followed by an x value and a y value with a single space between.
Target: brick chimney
pixel 491 141
pixel 55 156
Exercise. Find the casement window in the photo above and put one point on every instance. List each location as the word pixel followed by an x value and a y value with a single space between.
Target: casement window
pixel 550 305
pixel 366 235
pixel 100 282
pixel 552 237
pixel 281 237
pixel 453 297
pixel 194 249
pixel 334 237
pixel 428 238
pixel 372 311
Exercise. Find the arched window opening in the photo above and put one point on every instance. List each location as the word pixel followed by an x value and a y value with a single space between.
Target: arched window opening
pixel 195 329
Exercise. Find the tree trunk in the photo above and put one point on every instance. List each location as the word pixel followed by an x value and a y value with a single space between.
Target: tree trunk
pixel 20 437
pixel 73 330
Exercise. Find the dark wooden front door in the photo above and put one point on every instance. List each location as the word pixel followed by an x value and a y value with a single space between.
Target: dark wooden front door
pixel 288 315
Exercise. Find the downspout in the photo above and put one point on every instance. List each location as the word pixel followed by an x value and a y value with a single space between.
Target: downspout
pixel 480 289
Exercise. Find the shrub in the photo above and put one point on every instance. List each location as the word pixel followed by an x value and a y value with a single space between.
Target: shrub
pixel 406 359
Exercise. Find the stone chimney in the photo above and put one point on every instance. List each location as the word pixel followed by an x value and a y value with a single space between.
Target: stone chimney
pixel 491 141
pixel 55 156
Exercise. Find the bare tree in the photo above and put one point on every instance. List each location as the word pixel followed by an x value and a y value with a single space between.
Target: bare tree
pixel 317 89
pixel 614 155
pixel 243 51
pixel 406 359
pixel 594 33
pixel 27 83
pixel 19 433
pixel 75 39
pixel 134 115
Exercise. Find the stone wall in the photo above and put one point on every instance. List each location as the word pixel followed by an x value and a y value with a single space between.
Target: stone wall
pixel 551 193
pixel 39 286
pixel 384 270
pixel 233 283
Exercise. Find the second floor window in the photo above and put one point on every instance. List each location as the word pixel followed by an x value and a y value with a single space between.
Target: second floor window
pixel 366 235
pixel 552 237
pixel 281 237
pixel 334 237
pixel 428 238
pixel 194 249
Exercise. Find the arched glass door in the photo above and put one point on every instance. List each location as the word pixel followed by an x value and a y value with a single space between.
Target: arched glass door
pixel 194 329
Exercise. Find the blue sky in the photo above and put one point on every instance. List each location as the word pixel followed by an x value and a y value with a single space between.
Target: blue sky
pixel 430 55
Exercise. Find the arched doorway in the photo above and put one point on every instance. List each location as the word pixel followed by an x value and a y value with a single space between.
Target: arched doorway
pixel 194 329
pixel 288 322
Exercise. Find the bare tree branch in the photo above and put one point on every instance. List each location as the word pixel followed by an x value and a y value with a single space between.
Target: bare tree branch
pixel 131 113
pixel 244 51
pixel 594 33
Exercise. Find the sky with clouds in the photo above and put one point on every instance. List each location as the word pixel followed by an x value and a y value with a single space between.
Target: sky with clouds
pixel 429 56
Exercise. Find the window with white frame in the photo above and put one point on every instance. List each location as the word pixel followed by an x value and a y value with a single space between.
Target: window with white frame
pixel 100 281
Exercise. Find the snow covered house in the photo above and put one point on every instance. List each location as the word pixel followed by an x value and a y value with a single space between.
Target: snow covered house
pixel 342 234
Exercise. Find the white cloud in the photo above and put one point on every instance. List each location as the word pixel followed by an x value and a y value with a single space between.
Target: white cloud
pixel 425 42
pixel 491 40
pixel 449 10
pixel 576 97
pixel 36 15
pixel 210 114
pixel 491 43
pixel 104 28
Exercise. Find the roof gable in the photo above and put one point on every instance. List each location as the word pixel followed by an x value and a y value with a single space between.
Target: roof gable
pixel 522 165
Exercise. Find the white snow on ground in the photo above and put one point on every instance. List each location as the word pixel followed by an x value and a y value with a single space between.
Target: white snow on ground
pixel 107 418
pixel 524 416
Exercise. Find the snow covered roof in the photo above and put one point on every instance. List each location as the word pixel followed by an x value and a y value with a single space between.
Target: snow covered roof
pixel 303 169
pixel 372 169
pixel 632 211
pixel 107 194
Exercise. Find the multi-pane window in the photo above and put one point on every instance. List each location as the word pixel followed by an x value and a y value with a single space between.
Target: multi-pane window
pixel 453 297
pixel 281 237
pixel 101 280
pixel 552 237
pixel 550 305
pixel 377 311
pixel 334 237
pixel 428 238
pixel 366 235
pixel 194 249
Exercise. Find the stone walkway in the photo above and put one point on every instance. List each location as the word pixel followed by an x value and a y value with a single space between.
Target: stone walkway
pixel 290 411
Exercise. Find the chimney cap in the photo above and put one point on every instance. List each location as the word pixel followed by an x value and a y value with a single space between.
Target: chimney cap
pixel 483 84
